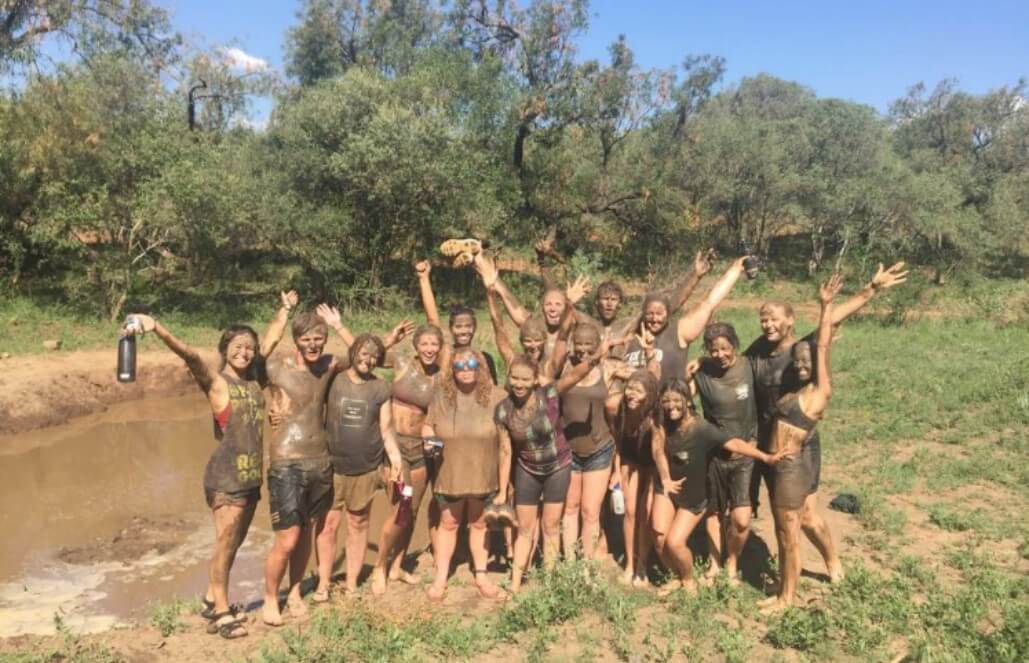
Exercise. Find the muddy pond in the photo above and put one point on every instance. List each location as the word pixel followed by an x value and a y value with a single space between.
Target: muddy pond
pixel 104 516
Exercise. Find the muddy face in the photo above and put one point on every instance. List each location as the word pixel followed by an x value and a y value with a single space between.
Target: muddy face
pixel 607 306
pixel 533 346
pixel 366 359
pixel 775 323
pixel 521 380
pixel 655 317
pixel 584 343
pixel 554 303
pixel 635 395
pixel 463 330
pixel 311 344
pixel 427 346
pixel 673 406
pixel 722 351
pixel 466 370
pixel 802 362
pixel 240 353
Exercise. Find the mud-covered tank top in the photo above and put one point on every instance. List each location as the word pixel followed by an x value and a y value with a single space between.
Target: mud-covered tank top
pixel 237 462
pixel 634 442
pixel 792 428
pixel 582 417
pixel 414 387
pixel 667 352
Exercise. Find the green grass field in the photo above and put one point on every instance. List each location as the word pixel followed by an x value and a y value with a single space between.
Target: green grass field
pixel 929 426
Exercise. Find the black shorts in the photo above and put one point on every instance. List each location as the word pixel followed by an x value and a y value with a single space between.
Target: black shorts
pixel 793 479
pixel 241 498
pixel 728 483
pixel 679 499
pixel 552 488
pixel 299 490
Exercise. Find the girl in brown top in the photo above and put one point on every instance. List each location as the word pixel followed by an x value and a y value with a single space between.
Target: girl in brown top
pixel 473 469
pixel 232 480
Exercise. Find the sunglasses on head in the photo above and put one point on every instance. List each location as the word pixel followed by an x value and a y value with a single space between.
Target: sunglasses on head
pixel 469 364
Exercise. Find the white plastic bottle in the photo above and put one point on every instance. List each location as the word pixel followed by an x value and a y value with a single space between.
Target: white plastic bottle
pixel 618 500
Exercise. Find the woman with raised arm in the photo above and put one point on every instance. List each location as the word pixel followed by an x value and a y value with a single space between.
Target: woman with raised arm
pixel 793 430
pixel 772 358
pixel 234 473
pixel 682 446
pixel 671 341
pixel 473 469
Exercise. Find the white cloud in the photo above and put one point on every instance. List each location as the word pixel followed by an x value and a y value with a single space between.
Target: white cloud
pixel 240 59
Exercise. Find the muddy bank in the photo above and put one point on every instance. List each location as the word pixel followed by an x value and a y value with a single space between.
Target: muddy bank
pixel 41 391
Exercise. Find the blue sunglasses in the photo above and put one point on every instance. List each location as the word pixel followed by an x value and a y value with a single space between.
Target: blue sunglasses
pixel 470 364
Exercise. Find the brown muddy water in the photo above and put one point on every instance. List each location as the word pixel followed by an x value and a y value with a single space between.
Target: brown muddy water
pixel 104 516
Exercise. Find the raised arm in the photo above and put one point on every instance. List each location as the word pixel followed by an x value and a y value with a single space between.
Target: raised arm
pixel 818 400
pixel 389 441
pixel 273 334
pixel 884 279
pixel 701 266
pixel 692 324
pixel 503 340
pixel 208 379
pixel 424 271
pixel 400 331
pixel 330 314
pixel 579 371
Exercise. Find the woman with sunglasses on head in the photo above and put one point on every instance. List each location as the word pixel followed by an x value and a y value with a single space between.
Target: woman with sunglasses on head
pixel 682 444
pixel 473 469
pixel 234 473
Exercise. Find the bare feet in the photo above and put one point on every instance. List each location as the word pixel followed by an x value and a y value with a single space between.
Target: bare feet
pixel 836 574
pixel 772 605
pixel 270 614
pixel 435 592
pixel 487 589
pixel 625 578
pixel 640 582
pixel 405 577
pixel 378 582
pixel 320 596
pixel 296 606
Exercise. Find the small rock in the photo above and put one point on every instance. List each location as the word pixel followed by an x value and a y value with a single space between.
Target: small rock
pixel 52 344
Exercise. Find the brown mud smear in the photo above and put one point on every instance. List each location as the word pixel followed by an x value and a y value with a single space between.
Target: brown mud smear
pixel 141 535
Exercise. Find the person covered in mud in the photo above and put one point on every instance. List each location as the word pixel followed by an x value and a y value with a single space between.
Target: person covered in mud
pixel 632 433
pixel 772 359
pixel 462 323
pixel 472 470
pixel 793 430
pixel 671 341
pixel 234 473
pixel 415 380
pixel 682 444
pixel 586 410
pixel 724 379
pixel 300 478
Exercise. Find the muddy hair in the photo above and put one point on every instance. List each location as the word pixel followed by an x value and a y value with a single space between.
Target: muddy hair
pixel 589 328
pixel 459 310
pixel 430 329
pixel 307 321
pixel 533 327
pixel 649 382
pixel 520 360
pixel 483 380
pixel 231 332
pixel 681 387
pixel 785 306
pixel 363 340
pixel 717 330
pixel 610 288
pixel 652 297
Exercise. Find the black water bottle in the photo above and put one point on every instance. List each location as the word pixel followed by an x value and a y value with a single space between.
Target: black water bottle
pixel 127 352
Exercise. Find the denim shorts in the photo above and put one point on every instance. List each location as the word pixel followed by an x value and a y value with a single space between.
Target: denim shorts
pixel 595 462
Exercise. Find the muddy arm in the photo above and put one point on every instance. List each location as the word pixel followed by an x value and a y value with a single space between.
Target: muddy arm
pixel 692 324
pixel 275 329
pixel 883 280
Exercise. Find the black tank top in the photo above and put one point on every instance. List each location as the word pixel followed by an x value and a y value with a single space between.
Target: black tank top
pixel 582 417
pixel 236 464
pixel 666 350
pixel 634 442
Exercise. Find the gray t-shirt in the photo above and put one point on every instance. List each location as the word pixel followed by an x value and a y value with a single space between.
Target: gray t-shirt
pixel 728 398
pixel 352 419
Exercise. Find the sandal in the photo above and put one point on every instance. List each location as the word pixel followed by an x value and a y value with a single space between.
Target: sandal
pixel 206 609
pixel 233 629
pixel 218 622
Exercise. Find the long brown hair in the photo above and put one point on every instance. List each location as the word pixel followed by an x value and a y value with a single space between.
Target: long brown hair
pixel 483 380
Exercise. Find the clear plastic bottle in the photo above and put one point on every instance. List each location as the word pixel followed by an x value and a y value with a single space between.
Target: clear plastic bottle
pixel 618 500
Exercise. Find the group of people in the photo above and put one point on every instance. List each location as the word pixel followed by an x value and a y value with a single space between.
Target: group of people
pixel 592 404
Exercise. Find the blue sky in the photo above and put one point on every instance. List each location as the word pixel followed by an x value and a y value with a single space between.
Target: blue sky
pixel 869 52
